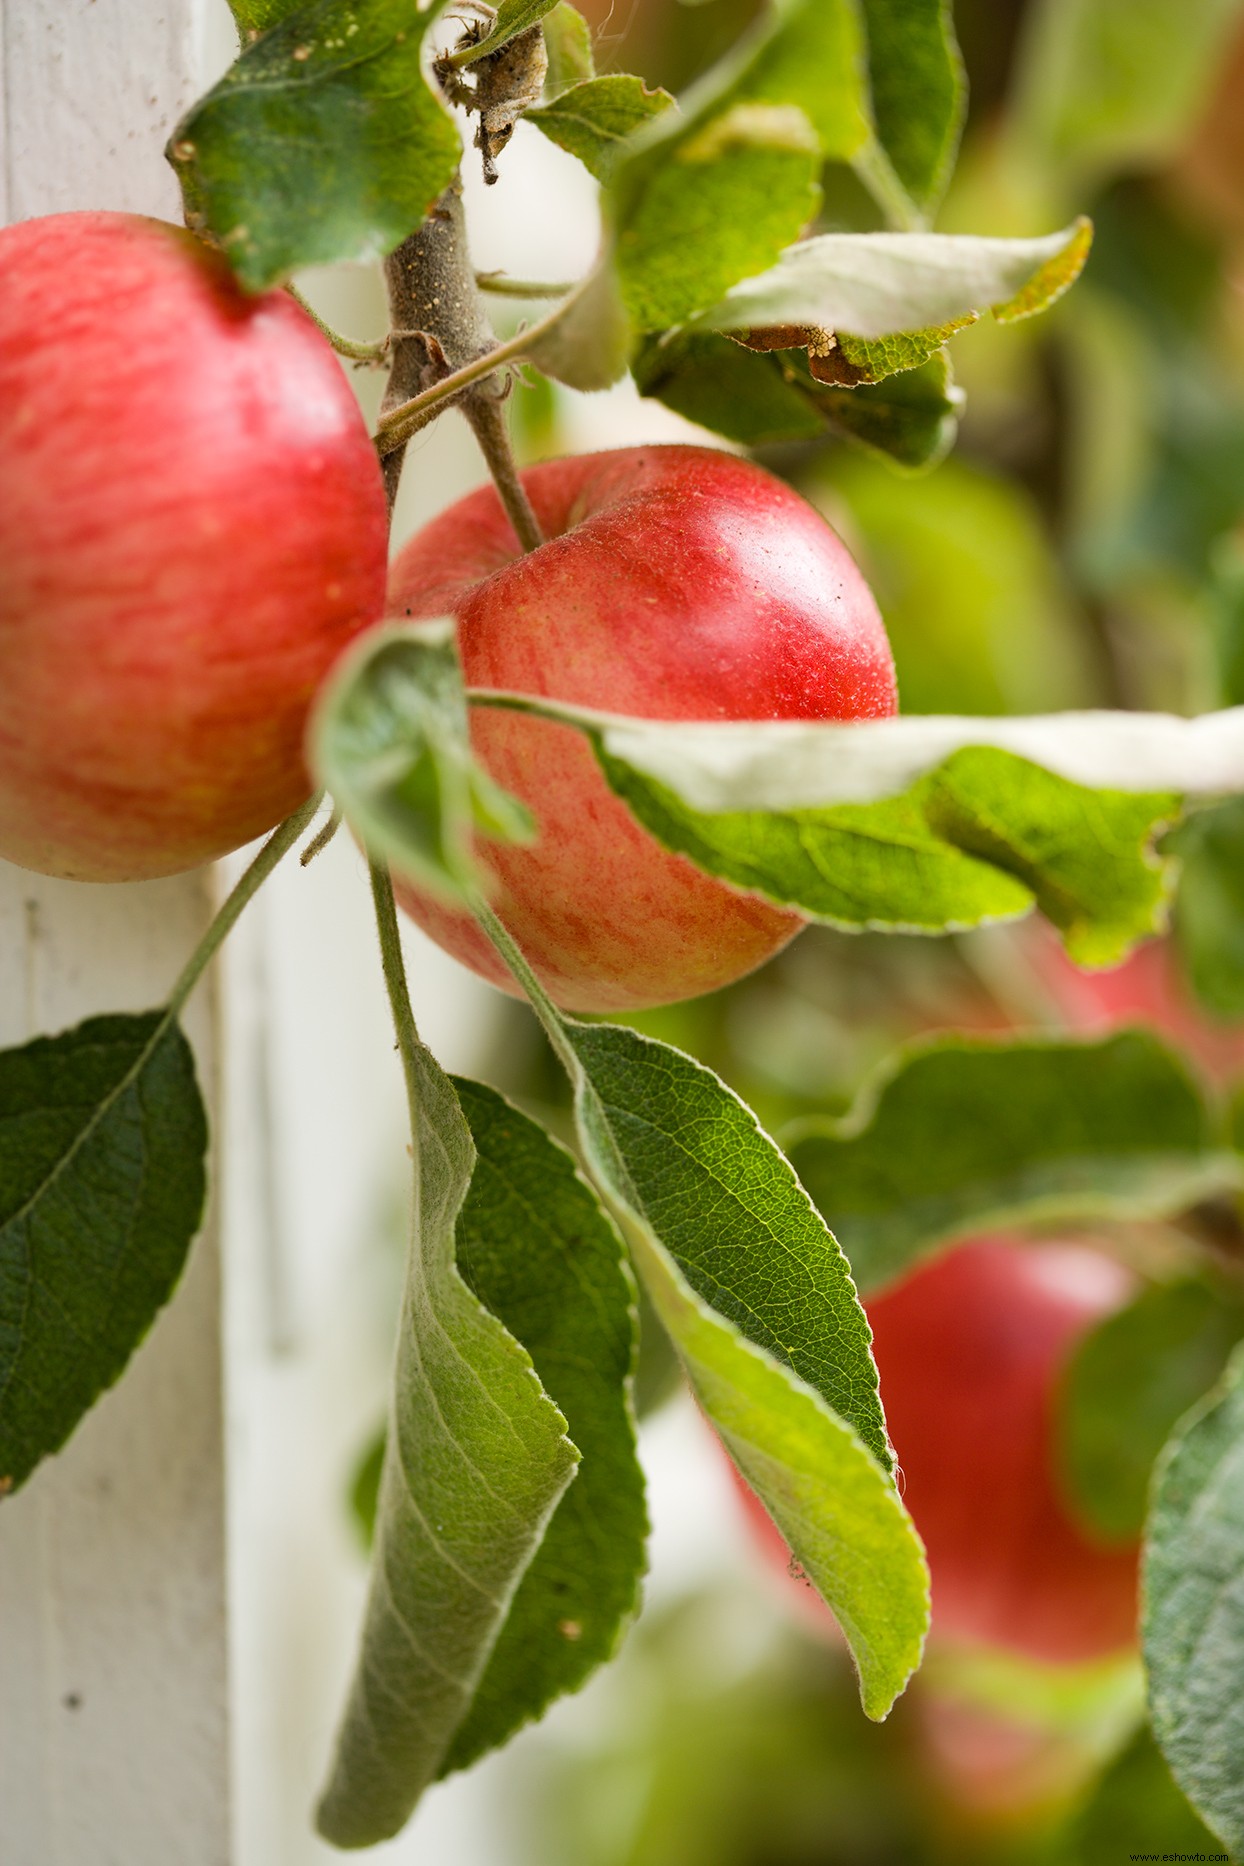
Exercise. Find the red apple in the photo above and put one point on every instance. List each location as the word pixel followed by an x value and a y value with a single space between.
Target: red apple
pixel 970 1348
pixel 192 527
pixel 674 583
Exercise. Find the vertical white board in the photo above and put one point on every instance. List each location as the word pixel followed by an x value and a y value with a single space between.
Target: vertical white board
pixel 114 1742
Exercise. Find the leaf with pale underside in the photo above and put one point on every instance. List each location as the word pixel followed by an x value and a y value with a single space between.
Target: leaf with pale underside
pixel 596 119
pixel 536 1247
pixel 1192 1621
pixel 476 1461
pixel 962 1136
pixel 887 301
pixel 759 1302
pixel 325 141
pixel 102 1142
pixel 389 740
pixel 925 824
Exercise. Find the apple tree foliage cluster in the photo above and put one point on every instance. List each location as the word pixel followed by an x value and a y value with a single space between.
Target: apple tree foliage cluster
pixel 510 1528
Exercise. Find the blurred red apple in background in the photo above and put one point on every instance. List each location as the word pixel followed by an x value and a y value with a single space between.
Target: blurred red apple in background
pixel 970 1347
pixel 674 583
pixel 192 527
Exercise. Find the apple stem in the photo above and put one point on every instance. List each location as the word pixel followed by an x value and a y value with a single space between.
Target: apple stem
pixel 486 414
pixel 283 838
pixel 394 967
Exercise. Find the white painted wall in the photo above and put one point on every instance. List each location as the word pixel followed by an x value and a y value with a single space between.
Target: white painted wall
pixel 113 1693
pixel 140 1723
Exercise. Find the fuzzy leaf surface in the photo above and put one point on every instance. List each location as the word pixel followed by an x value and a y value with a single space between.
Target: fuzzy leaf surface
pixel 910 289
pixel 758 1300
pixel 1127 1384
pixel 323 142
pixel 538 1250
pixel 594 120
pixel 963 1135
pixel 1192 1626
pixel 476 1460
pixel 102 1143
pixel 389 740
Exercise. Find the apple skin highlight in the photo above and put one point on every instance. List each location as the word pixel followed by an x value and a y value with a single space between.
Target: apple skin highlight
pixel 192 527
pixel 675 583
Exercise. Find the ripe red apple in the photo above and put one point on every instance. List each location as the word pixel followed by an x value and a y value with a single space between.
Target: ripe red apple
pixel 192 527
pixel 970 1349
pixel 674 583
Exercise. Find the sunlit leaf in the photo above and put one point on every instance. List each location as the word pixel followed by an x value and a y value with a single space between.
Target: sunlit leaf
pixel 754 1292
pixel 594 120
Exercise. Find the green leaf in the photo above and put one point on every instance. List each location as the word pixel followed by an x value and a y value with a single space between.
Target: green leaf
pixel 513 17
pixel 919 94
pixel 1133 1804
pixel 589 344
pixel 983 834
pixel 595 119
pixel 538 1251
pixel 324 142
pixel 911 418
pixel 1209 907
pixel 711 203
pixel 102 1140
pixel 984 837
pixel 568 42
pixel 760 397
pixel 914 286
pixel 389 740
pixel 962 1136
pixel 1128 1382
pixel 256 16
pixel 476 1461
pixel 758 1300
pixel 810 54
pixel 1192 1625
pixel 1116 84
